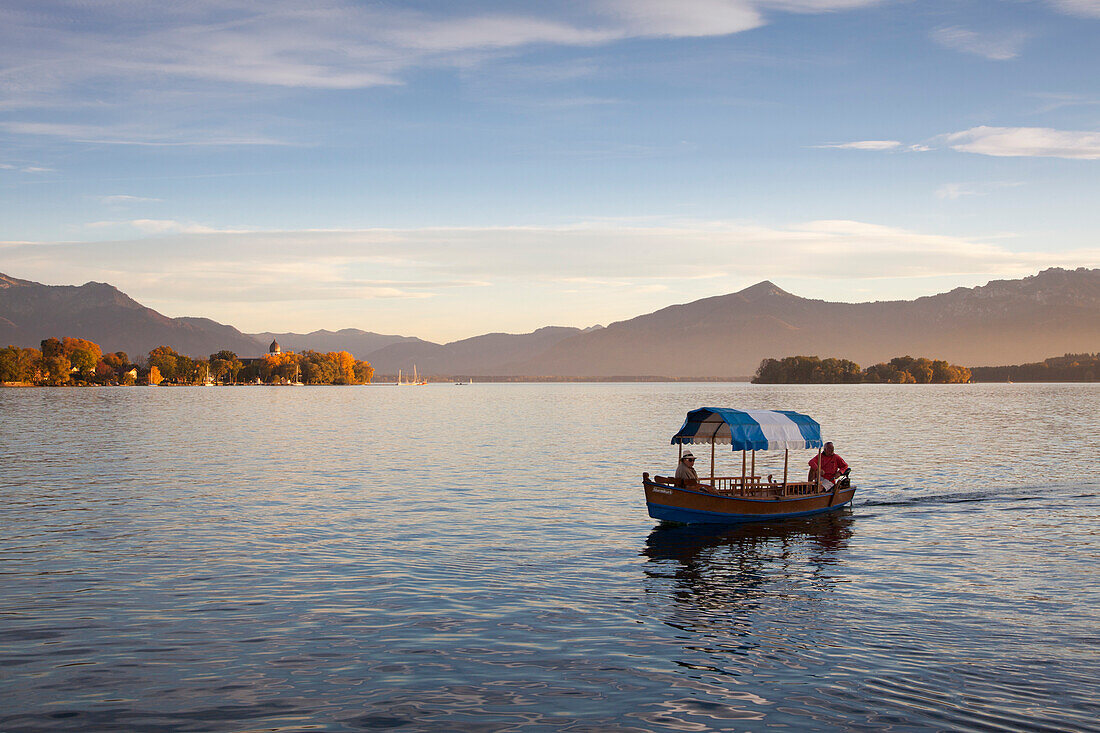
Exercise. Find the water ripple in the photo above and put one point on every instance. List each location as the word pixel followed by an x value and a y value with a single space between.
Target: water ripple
pixel 355 559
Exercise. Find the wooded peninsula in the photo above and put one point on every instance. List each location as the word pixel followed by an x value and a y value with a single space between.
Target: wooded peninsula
pixel 909 370
pixel 1068 368
pixel 79 362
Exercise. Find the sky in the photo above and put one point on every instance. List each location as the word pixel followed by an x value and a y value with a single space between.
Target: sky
pixel 443 169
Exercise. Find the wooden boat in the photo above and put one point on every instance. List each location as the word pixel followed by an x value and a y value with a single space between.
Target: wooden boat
pixel 748 497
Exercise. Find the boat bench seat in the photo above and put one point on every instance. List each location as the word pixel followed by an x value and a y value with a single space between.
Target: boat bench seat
pixel 669 481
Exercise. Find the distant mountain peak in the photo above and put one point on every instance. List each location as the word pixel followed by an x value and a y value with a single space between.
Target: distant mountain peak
pixel 763 289
pixel 100 312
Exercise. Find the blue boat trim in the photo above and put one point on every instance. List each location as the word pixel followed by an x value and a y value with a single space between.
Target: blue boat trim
pixel 701 516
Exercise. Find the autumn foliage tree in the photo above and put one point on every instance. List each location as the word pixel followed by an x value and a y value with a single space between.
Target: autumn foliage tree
pixel 83 355
pixel 114 367
pixel 55 365
pixel 166 361
pixel 20 364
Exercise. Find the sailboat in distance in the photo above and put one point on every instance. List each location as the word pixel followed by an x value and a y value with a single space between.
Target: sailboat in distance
pixel 417 380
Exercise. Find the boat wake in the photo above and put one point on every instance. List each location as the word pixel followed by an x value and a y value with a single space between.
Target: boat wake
pixel 1006 494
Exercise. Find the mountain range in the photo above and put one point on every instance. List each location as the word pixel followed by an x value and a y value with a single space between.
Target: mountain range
pixel 1004 322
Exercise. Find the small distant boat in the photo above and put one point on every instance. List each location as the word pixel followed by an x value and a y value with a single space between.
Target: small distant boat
pixel 416 380
pixel 748 497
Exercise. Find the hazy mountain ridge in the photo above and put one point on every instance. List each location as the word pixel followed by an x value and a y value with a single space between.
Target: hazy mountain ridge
pixel 1003 322
pixel 485 355
pixel 359 343
pixel 103 314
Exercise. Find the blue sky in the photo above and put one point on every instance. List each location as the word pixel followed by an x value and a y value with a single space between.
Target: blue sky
pixel 449 169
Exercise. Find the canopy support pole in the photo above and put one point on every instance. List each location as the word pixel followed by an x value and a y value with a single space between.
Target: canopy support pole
pixel 712 462
pixel 742 472
pixel 679 452
pixel 819 467
pixel 786 454
pixel 714 435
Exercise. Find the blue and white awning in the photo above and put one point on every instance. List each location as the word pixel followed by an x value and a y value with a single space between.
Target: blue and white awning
pixel 750 429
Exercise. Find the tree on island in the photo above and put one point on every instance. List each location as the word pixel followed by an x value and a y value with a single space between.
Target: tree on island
pixel 364 372
pixel 55 365
pixel 115 368
pixel 166 361
pixel 225 365
pixel 83 355
pixel 20 364
pixel 317 368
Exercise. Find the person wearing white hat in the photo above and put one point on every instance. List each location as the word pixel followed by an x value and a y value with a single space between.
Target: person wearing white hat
pixel 685 472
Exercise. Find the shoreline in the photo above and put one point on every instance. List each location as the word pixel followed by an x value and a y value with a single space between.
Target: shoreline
pixel 550 380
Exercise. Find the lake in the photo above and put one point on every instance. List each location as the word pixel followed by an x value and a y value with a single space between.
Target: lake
pixel 480 558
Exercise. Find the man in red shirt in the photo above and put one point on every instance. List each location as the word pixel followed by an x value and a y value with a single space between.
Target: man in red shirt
pixel 831 465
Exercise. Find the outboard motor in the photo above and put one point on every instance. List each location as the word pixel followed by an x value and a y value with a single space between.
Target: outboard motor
pixel 844 480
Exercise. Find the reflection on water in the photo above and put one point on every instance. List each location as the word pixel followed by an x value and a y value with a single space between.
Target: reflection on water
pixel 823 536
pixel 480 559
pixel 746 599
pixel 719 573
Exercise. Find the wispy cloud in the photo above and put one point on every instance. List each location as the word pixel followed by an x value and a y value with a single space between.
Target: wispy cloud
pixel 955 191
pixel 331 44
pixel 1081 8
pixel 129 134
pixel 994 45
pixel 952 191
pixel 122 199
pixel 1054 100
pixel 1041 142
pixel 139 72
pixel 877 145
pixel 865 145
pixel 1036 142
pixel 160 226
pixel 26 168
pixel 685 18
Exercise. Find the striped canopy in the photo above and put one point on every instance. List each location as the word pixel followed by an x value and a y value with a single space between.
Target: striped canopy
pixel 750 429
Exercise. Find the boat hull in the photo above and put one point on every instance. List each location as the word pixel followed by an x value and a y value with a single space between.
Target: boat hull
pixel 686 506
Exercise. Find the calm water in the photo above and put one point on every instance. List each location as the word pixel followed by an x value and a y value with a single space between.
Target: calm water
pixel 480 558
